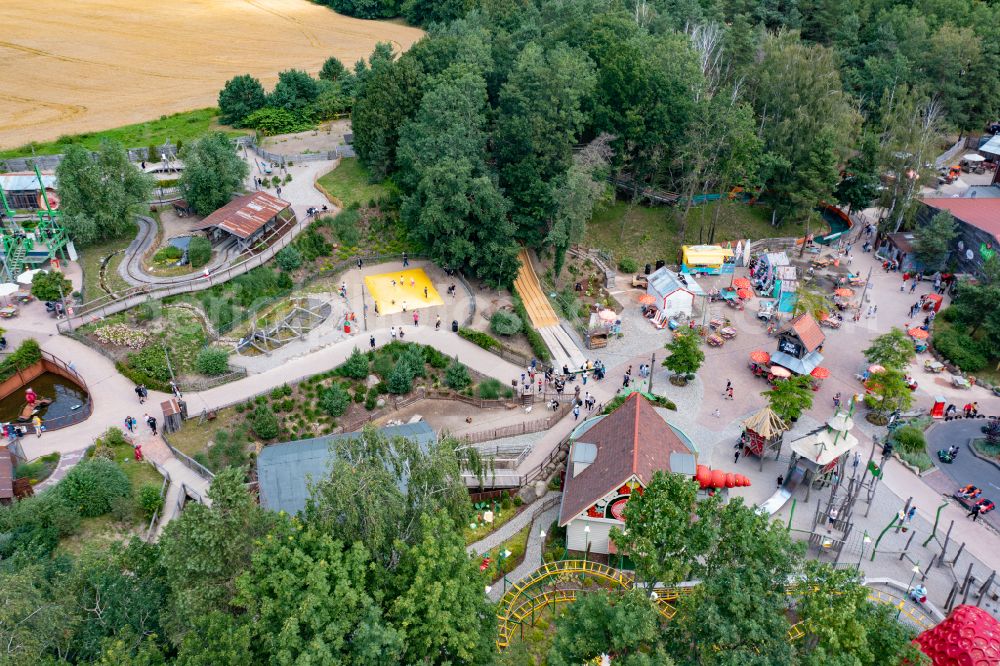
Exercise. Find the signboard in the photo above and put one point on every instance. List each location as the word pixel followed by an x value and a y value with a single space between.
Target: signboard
pixel 790 347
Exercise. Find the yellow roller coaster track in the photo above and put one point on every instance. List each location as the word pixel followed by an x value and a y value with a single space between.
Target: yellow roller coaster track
pixel 519 605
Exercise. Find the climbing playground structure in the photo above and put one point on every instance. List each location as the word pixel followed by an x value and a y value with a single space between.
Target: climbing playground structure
pixel 564 350
pixel 31 239
pixel 561 582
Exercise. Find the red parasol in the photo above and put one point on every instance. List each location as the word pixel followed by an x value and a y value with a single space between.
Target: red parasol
pixel 741 283
pixel 820 373
pixel 918 333
pixel 843 291
pixel 779 371
pixel 647 299
pixel 761 357
pixel 745 294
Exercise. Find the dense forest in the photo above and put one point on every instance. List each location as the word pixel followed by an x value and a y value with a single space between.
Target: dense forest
pixel 497 125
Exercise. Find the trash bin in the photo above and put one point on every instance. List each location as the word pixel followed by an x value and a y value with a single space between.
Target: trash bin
pixel 649 269
pixel 454 326
pixel 660 264
pixel 347 326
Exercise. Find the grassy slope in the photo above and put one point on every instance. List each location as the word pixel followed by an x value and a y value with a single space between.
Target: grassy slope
pixel 349 183
pixel 646 234
pixel 90 260
pixel 177 127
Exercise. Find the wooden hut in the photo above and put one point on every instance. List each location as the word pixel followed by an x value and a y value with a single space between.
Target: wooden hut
pixel 763 433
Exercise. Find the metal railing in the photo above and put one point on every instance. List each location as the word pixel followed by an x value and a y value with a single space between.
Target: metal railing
pixel 523 428
pixel 189 462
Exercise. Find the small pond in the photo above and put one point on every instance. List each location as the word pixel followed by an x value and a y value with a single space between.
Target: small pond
pixel 181 243
pixel 68 399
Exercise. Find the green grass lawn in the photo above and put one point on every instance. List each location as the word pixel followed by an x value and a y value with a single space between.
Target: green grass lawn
pixel 181 127
pixel 350 184
pixel 194 436
pixel 650 233
pixel 90 260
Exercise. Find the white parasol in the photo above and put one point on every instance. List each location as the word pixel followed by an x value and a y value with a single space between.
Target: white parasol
pixel 27 277
pixel 973 157
pixel 8 288
pixel 607 315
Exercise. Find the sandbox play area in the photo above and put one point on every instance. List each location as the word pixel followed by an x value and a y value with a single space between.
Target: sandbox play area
pixel 98 66
pixel 402 291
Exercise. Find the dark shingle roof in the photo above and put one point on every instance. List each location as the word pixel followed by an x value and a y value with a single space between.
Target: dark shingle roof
pixel 284 471
pixel 633 439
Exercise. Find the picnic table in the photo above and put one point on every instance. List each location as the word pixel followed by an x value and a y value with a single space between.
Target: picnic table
pixel 8 311
pixel 960 382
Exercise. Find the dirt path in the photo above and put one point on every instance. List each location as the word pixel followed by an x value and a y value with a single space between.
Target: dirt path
pixel 100 64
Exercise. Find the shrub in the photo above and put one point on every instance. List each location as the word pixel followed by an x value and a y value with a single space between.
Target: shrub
pixel 288 258
pixel 484 340
pixel 505 323
pixel 312 245
pixel 168 254
pixel 122 335
pixel 264 423
pixel 50 286
pixel 212 361
pixel 628 265
pixel 489 389
pixel 400 379
pixel 356 365
pixel 413 359
pixel 92 484
pixel 457 376
pixel 949 315
pixel 992 432
pixel 960 348
pixel 383 365
pixel 345 227
pixel 122 509
pixel 538 346
pixel 149 500
pixel 436 359
pixel 199 252
pixel 149 363
pixel 910 439
pixel 269 121
pixel 334 400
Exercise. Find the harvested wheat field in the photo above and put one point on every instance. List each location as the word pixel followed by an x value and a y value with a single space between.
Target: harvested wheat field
pixel 72 66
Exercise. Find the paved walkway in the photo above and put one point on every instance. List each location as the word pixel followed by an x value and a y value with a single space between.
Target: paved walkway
pixel 540 514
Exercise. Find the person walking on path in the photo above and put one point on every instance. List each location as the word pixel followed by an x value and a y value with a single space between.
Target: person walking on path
pixel 739 450
pixel 392 332
pixel 576 412
pixel 151 422
pixel 416 318
pixel 400 332
pixel 140 391
pixel 371 341
pixel 36 421
pixel 974 512
pixel 729 385
pixel 130 424
pixel 175 389
pixel 437 323
pixel 360 263
pixel 913 287
pixel 406 261
pixel 831 519
pixel 836 400
pixel 729 393
pixel 781 480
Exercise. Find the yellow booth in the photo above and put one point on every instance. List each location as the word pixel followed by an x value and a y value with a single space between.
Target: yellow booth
pixel 707 259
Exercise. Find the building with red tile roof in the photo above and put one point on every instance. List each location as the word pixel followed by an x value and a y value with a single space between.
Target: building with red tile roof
pixel 245 218
pixel 611 457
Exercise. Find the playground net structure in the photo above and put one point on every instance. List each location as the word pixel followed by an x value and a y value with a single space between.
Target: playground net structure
pixel 284 324
pixel 27 240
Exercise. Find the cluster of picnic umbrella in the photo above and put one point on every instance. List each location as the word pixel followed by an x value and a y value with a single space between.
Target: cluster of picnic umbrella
pixel 918 333
pixel 716 478
pixel 25 278
pixel 761 357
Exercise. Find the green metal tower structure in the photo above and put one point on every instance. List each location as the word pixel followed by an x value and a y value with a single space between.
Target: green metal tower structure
pixel 31 242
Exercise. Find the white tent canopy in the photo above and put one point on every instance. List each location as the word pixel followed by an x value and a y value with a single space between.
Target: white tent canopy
pixel 973 157
pixel 28 276
pixel 8 288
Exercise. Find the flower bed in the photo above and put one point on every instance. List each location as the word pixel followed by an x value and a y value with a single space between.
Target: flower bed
pixel 122 335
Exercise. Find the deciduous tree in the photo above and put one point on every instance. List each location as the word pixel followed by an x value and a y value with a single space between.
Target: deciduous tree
pixel 241 96
pixel 932 241
pixel 101 195
pixel 892 350
pixel 213 171
pixel 686 355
